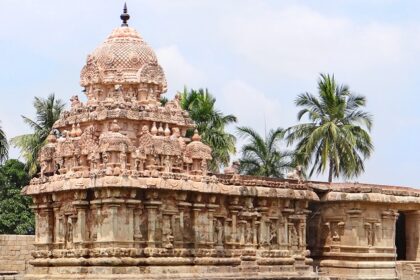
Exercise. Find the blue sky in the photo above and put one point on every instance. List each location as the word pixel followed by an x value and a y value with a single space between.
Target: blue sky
pixel 254 56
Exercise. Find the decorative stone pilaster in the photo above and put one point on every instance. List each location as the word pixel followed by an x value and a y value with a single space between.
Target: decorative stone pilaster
pixel 96 227
pixel 183 206
pixel 234 209
pixel 137 212
pixel 264 230
pixel 133 225
pixel 211 208
pixel 110 231
pixel 80 231
pixel 152 205
pixel 198 207
pixel 44 221
pixel 58 224
pixel 286 211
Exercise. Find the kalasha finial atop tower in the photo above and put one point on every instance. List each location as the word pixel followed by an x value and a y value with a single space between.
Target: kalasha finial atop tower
pixel 124 16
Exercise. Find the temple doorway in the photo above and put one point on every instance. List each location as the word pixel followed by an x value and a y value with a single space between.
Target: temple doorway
pixel 400 237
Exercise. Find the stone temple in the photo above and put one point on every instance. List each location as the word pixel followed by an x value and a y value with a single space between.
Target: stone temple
pixel 124 194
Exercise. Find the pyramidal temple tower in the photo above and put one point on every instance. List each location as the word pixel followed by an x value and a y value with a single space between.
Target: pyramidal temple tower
pixel 124 194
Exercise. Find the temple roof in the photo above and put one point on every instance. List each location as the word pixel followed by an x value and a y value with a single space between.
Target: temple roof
pixel 123 58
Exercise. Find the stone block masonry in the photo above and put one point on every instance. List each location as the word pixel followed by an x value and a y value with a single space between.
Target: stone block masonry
pixel 15 253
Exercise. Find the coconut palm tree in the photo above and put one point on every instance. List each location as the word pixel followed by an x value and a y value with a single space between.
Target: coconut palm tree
pixel 211 125
pixel 4 146
pixel 261 156
pixel 337 134
pixel 47 113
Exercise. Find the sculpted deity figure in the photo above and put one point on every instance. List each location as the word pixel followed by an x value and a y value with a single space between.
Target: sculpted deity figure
pixel 69 232
pixel 273 234
pixel 219 232
pixel 44 166
pixel 105 158
pixel 138 157
pixel 167 234
pixel 168 164
pixel 123 160
pixel 233 169
pixel 296 174
pixel 335 235
pixel 293 238
pixel 248 230
pixel 204 167
pixel 94 158
pixel 370 234
pixel 75 103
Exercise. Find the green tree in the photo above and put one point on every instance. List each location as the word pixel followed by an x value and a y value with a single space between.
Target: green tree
pixel 163 100
pixel 337 134
pixel 15 215
pixel 211 125
pixel 261 156
pixel 47 113
pixel 4 146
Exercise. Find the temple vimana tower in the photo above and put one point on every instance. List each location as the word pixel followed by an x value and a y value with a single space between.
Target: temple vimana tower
pixel 124 194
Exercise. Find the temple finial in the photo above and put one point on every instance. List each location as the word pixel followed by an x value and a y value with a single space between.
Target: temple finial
pixel 124 16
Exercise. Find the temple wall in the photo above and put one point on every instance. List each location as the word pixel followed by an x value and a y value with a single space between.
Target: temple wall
pixel 188 231
pixel 15 253
pixel 353 240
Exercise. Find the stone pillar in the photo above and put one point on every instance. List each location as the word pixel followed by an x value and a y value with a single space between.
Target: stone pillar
pixel 197 208
pixel 286 211
pixel 137 212
pixel 132 225
pixel 242 228
pixel 234 209
pixel 255 225
pixel 355 226
pixel 80 230
pixel 211 208
pixel 263 226
pixel 57 224
pixel 183 206
pixel 151 208
pixel 97 224
pixel 44 224
pixel 110 223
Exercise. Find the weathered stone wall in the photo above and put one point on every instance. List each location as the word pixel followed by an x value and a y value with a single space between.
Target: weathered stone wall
pixel 15 253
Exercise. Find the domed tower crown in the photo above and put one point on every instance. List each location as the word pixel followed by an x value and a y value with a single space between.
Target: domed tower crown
pixel 124 59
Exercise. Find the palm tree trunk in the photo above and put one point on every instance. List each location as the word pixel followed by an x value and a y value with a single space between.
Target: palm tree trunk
pixel 330 173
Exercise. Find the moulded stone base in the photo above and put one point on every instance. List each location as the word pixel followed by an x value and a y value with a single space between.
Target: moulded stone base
pixel 360 270
pixel 169 272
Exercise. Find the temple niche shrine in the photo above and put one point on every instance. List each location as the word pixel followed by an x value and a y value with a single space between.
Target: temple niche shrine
pixel 124 194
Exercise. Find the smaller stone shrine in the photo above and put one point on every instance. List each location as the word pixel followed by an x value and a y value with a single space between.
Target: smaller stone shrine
pixel 124 194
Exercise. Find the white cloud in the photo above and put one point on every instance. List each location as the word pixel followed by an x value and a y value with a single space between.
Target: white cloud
pixel 252 107
pixel 299 42
pixel 179 72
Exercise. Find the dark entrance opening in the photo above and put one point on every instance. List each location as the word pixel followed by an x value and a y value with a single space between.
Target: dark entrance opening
pixel 400 237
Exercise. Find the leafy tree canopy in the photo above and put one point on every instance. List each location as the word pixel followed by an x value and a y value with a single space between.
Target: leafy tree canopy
pixel 211 124
pixel 15 215
pixel 336 135
pixel 48 111
pixel 262 156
